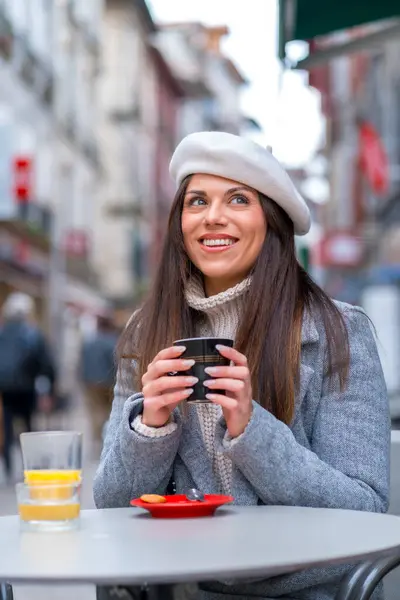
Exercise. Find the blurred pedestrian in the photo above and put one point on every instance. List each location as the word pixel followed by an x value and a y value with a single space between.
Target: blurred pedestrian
pixel 98 373
pixel 24 358
pixel 303 416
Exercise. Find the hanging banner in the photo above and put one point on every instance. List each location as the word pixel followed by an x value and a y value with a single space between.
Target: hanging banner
pixel 373 159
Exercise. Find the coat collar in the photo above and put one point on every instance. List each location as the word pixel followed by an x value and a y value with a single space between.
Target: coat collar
pixel 309 331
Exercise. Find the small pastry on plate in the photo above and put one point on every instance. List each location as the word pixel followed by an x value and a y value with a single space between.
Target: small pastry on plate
pixel 153 498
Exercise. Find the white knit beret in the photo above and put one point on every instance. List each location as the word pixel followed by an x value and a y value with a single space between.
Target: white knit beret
pixel 240 159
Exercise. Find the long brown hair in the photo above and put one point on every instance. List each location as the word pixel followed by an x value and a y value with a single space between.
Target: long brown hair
pixel 270 330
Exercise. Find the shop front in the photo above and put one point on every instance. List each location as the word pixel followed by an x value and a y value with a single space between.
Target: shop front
pixel 24 267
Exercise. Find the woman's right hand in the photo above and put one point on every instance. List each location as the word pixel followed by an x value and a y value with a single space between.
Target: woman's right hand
pixel 161 392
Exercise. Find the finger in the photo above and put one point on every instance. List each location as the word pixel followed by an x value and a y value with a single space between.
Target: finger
pixel 166 384
pixel 171 400
pixel 161 367
pixel 229 385
pixel 230 372
pixel 232 354
pixel 224 401
pixel 167 353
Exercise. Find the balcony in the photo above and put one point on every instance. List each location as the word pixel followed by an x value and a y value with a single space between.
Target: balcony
pixel 44 82
pixel 90 150
pixel 36 218
pixel 69 127
pixel 24 60
pixel 33 71
pixel 33 223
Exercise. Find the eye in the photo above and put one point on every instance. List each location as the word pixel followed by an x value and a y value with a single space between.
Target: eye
pixel 239 200
pixel 196 201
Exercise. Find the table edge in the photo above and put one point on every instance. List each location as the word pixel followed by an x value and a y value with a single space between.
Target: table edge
pixel 241 574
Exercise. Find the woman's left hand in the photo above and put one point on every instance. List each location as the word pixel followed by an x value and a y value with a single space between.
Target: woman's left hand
pixel 235 380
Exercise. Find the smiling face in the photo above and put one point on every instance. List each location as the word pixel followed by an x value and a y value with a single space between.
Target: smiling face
pixel 224 228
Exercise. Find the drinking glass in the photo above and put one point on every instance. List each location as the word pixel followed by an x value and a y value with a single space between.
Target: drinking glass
pixel 49 497
pixel 52 456
pixel 49 507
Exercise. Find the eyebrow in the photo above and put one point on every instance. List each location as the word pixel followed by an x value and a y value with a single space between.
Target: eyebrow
pixel 239 188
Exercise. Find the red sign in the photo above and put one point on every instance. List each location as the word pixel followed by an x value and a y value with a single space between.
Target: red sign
pixel 76 243
pixel 23 178
pixel 339 249
pixel 373 159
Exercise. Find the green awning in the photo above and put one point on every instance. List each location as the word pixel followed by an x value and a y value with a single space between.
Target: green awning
pixel 307 19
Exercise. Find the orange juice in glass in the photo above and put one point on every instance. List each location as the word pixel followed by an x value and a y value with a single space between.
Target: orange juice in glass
pixel 49 507
pixel 37 479
pixel 49 496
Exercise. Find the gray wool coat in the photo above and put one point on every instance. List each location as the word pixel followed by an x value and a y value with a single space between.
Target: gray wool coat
pixel 335 453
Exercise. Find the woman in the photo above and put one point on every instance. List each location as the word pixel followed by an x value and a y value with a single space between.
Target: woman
pixel 304 420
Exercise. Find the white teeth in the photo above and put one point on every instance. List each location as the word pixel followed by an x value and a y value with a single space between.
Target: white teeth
pixel 221 242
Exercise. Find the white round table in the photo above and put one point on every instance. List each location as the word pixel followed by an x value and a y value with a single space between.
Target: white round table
pixel 126 546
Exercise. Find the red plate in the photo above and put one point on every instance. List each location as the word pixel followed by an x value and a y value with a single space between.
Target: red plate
pixel 179 507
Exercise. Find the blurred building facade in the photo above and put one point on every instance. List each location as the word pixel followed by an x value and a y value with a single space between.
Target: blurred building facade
pixel 357 252
pixel 212 82
pixel 158 83
pixel 49 60
pixel 128 117
pixel 360 100
pixel 94 97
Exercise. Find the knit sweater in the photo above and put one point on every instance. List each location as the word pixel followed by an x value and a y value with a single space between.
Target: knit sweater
pixel 221 315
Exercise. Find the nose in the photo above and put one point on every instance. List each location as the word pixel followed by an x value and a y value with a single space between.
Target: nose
pixel 215 214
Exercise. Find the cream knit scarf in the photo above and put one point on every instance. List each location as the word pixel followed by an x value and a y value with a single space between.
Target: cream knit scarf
pixel 221 316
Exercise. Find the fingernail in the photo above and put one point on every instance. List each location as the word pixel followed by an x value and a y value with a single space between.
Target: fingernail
pixel 191 380
pixel 208 382
pixel 209 396
pixel 220 347
pixel 188 391
pixel 180 348
pixel 189 363
pixel 211 370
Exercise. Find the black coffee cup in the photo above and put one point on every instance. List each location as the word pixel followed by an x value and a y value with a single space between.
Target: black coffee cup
pixel 204 352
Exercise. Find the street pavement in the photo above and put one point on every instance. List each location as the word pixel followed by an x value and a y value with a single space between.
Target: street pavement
pixel 78 420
